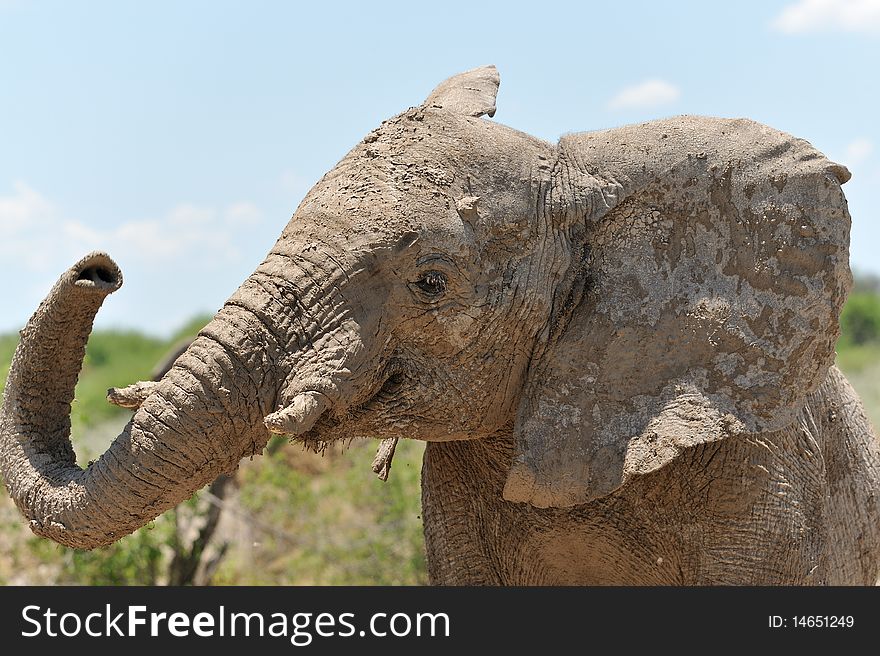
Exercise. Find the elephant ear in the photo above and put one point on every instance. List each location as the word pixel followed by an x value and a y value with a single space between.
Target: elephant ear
pixel 706 304
pixel 471 93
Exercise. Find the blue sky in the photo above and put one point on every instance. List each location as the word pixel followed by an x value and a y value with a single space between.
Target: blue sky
pixel 180 136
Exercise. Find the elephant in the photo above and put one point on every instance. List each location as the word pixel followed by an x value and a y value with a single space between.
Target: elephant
pixel 619 349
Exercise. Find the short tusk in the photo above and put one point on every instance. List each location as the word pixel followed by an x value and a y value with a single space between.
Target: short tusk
pixel 382 461
pixel 132 396
pixel 299 416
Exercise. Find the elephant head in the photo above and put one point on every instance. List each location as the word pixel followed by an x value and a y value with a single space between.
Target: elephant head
pixel 608 301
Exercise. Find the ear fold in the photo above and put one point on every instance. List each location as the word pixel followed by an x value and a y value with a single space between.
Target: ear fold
pixel 471 93
pixel 716 277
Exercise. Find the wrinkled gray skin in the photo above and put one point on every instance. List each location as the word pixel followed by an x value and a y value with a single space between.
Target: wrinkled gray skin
pixel 619 349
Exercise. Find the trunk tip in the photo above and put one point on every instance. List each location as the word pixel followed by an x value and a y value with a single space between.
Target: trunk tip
pixel 96 270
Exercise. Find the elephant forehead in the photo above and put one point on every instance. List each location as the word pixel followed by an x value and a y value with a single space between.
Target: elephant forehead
pixel 413 172
pixel 421 138
pixel 371 212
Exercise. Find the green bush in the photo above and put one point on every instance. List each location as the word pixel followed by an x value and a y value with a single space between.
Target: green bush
pixel 295 518
pixel 136 559
pixel 7 348
pixel 860 319
pixel 113 358
pixel 330 521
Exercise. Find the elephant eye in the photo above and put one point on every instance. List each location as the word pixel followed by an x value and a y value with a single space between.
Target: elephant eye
pixel 433 283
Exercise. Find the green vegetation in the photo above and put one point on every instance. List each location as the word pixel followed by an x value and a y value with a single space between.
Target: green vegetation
pixel 860 319
pixel 113 359
pixel 7 348
pixel 854 359
pixel 292 517
pixel 134 560
pixel 329 521
pixel 858 349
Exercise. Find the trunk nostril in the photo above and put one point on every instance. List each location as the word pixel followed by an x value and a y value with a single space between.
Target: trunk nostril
pixel 97 271
pixel 98 275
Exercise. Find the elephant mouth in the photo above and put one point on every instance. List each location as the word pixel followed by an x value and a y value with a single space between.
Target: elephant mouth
pixel 387 394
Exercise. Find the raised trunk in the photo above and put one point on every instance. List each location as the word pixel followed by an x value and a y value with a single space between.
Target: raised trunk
pixel 202 419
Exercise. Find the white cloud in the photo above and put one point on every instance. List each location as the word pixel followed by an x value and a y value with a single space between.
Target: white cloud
pixel 23 208
pixel 243 214
pixel 38 235
pixel 26 219
pixel 178 262
pixel 645 95
pixel 184 232
pixel 829 15
pixel 187 214
pixel 858 151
